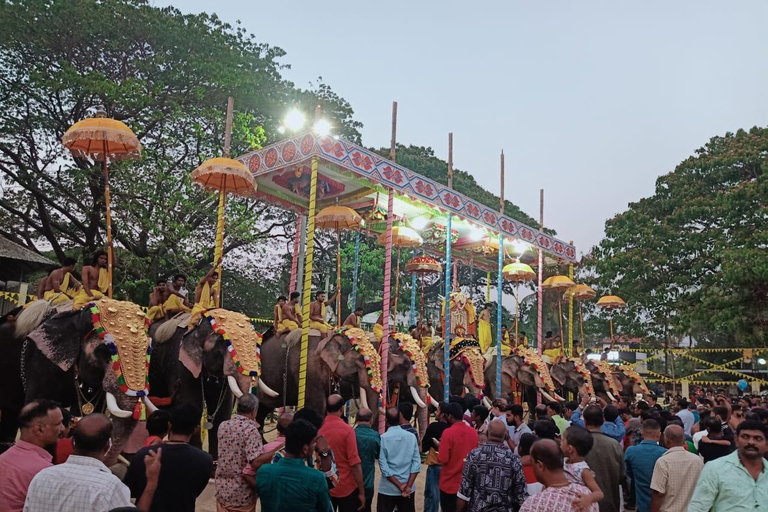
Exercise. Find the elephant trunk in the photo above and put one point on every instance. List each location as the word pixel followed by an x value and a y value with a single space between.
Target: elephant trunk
pixel 422 416
pixel 363 398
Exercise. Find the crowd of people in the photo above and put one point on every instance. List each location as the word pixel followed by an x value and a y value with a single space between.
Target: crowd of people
pixel 703 454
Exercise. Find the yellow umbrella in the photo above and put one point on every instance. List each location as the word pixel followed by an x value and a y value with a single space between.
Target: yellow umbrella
pixel 517 272
pixel 402 236
pixel 611 303
pixel 558 284
pixel 338 218
pixel 580 292
pixel 102 138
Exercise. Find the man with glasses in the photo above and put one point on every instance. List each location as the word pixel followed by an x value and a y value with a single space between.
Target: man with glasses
pixel 41 427
pixel 84 482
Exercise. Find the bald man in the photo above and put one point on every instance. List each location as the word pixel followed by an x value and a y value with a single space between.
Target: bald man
pixel 559 493
pixel 476 491
pixel 349 494
pixel 52 488
pixel 675 473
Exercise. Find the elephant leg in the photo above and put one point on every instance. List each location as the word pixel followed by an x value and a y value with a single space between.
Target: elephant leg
pixel 189 391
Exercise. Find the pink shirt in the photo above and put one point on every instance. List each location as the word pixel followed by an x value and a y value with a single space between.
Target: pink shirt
pixel 18 466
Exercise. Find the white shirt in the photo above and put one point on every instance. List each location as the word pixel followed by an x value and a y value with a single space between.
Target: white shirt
pixel 688 420
pixel 697 437
pixel 80 484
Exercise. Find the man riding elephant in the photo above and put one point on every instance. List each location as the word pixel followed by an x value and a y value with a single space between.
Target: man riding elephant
pixel 95 281
pixel 317 313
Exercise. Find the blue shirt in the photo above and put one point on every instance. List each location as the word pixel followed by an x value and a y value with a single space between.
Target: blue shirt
pixel 639 462
pixel 615 430
pixel 398 457
pixel 368 442
pixel 726 485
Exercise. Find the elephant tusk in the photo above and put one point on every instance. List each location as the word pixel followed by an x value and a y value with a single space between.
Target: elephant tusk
pixel 487 403
pixel 466 390
pixel 148 403
pixel 267 390
pixel 546 395
pixel 559 398
pixel 234 387
pixel 363 398
pixel 114 409
pixel 610 395
pixel 416 398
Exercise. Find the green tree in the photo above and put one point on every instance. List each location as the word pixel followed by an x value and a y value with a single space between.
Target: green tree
pixel 690 260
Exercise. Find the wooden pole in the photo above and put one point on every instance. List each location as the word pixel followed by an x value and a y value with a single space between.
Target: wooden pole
pixel 218 251
pixel 393 141
pixel 295 259
pixel 499 287
pixel 446 309
pixel 540 291
pixel 570 312
pixel 387 297
pixel 108 207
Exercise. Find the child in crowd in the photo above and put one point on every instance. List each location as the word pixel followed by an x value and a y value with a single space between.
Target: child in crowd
pixel 158 425
pixel 576 444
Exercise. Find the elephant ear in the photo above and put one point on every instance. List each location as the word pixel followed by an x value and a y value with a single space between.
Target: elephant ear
pixel 331 352
pixel 192 346
pixel 60 336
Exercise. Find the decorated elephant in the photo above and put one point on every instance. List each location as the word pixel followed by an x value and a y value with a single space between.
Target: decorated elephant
pixel 11 388
pixel 630 382
pixel 571 374
pixel 604 383
pixel 88 360
pixel 207 365
pixel 346 362
pixel 466 368
pixel 527 367
pixel 407 370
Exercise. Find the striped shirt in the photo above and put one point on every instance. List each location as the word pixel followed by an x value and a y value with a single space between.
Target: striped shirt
pixel 81 483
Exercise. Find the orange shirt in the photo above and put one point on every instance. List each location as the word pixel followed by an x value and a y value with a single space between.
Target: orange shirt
pixel 342 440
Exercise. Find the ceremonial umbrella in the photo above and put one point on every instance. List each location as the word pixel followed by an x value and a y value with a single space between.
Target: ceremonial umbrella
pixel 102 138
pixel 517 272
pixel 580 292
pixel 611 303
pixel 402 236
pixel 558 284
pixel 227 176
pixel 423 265
pixel 338 218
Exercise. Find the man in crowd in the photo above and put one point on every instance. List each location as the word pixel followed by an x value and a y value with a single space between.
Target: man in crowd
pixel 714 444
pixel 674 474
pixel 353 320
pixel 685 415
pixel 349 494
pixel 291 313
pixel 493 477
pixel 157 300
pixel 368 448
pixel 613 425
pixel 559 493
pixel 478 417
pixel 432 481
pixel 239 444
pixel 84 482
pixel 317 313
pixel 457 441
pixel 178 301
pixel 739 481
pixel 515 418
pixel 41 427
pixel 605 459
pixel 555 410
pixel 640 460
pixel 206 292
pixel 400 464
pixel 290 484
pixel 406 414
pixel 186 469
pixel 61 284
pixel 95 280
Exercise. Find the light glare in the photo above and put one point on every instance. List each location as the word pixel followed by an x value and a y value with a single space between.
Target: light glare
pixel 477 234
pixel 419 223
pixel 519 247
pixel 761 361
pixel 295 120
pixel 322 127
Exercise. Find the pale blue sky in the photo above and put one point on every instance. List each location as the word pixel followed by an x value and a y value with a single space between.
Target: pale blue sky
pixel 591 101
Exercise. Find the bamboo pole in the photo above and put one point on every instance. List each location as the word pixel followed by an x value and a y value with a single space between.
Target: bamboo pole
pixel 540 291
pixel 307 289
pixel 338 276
pixel 218 251
pixel 499 286
pixel 295 259
pixel 446 309
pixel 355 272
pixel 108 206
pixel 570 312
pixel 387 291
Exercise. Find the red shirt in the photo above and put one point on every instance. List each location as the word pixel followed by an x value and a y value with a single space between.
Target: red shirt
pixel 342 440
pixel 64 448
pixel 457 441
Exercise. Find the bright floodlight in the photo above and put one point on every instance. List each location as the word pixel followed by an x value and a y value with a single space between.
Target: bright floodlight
pixel 519 247
pixel 295 120
pixel 761 361
pixel 419 223
pixel 477 234
pixel 322 127
pixel 281 129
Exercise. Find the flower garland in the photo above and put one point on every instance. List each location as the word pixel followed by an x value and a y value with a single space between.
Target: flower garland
pixel 467 350
pixel 363 346
pixel 578 365
pixel 632 374
pixel 230 347
pixel 534 360
pixel 411 349
pixel 109 341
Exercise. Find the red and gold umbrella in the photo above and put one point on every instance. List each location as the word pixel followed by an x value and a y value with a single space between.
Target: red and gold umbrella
pixel 423 265
pixel 101 138
pixel 338 218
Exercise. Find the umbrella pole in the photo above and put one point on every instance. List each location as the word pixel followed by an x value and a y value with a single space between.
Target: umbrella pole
pixel 560 318
pixel 570 314
pixel 397 284
pixel 307 288
pixel 355 272
pixel 338 276
pixel 219 247
pixel 581 326
pixel 517 309
pixel 107 202
pixel 422 300
pixel 610 322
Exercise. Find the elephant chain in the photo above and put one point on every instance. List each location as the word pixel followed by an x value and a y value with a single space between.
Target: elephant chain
pixel 210 417
pixel 285 374
pixel 23 365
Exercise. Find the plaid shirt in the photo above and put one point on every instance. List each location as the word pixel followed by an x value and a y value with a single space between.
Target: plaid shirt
pixel 493 479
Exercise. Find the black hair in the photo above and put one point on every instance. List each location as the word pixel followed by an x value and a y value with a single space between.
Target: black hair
pixel 593 416
pixel 551 458
pixel 611 413
pixel 96 256
pixel 85 443
pixel 470 401
pixel 319 293
pixel 713 424
pixel 157 423
pixel 185 418
pixel 752 425
pixel 412 327
pixel 358 308
pixel 455 411
pixel 66 416
pixel 406 409
pixel 545 429
pixel 643 405
pixel 526 441
pixel 366 415
pixel 516 410
pixel 295 295
pixel 179 276
pixel 282 297
pixel 651 425
pixel 556 406
pixel 683 403
pixel 67 261
pixel 455 399
pixel 334 405
pixel 310 415
pixel 38 410
pixel 721 411
pixel 299 434
pixel 481 411
pixel 393 416
pixel 580 438
pixel 161 281
pixel 572 405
